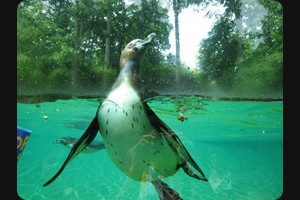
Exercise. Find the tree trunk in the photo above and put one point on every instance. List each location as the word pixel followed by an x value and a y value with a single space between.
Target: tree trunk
pixel 76 60
pixel 177 40
pixel 107 39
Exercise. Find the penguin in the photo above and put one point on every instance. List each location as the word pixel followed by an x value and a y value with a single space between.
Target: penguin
pixel 69 142
pixel 137 141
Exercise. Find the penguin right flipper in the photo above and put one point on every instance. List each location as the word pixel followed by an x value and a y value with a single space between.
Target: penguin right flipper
pixel 80 145
pixel 175 143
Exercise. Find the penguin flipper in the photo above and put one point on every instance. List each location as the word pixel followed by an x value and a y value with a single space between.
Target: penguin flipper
pixel 164 191
pixel 87 137
pixel 173 140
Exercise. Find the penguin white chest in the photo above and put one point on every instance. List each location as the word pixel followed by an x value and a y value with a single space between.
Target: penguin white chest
pixel 132 143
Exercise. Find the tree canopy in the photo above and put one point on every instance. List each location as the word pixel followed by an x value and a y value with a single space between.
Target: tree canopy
pixel 241 57
pixel 73 47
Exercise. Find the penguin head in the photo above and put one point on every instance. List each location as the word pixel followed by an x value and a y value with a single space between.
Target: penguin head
pixel 135 50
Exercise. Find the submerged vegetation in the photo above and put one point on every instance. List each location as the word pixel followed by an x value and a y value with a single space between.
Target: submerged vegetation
pixel 72 48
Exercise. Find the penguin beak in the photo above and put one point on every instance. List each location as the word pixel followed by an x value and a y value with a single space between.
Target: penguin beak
pixel 148 39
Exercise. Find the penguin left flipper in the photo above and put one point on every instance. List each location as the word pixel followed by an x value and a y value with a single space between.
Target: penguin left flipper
pixel 82 143
pixel 175 143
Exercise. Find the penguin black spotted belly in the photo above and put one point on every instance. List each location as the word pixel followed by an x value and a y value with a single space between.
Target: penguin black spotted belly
pixel 138 142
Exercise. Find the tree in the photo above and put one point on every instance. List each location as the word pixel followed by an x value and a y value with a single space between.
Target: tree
pixel 219 52
pixel 65 44
pixel 108 36
pixel 272 24
pixel 178 6
pixel 261 70
pixel 107 8
pixel 177 9
pixel 37 46
pixel 241 58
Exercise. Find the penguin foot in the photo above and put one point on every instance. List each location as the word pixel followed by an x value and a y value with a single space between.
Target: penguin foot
pixel 189 171
pixel 165 192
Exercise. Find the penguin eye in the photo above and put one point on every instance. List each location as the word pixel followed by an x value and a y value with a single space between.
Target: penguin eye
pixel 130 45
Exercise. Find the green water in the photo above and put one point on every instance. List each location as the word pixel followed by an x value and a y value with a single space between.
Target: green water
pixel 237 144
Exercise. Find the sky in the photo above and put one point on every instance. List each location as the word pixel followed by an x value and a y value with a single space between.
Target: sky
pixel 193 27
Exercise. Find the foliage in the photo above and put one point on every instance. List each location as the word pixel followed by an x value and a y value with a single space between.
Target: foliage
pixel 219 52
pixel 65 40
pixel 262 70
pixel 242 60
pixel 61 47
